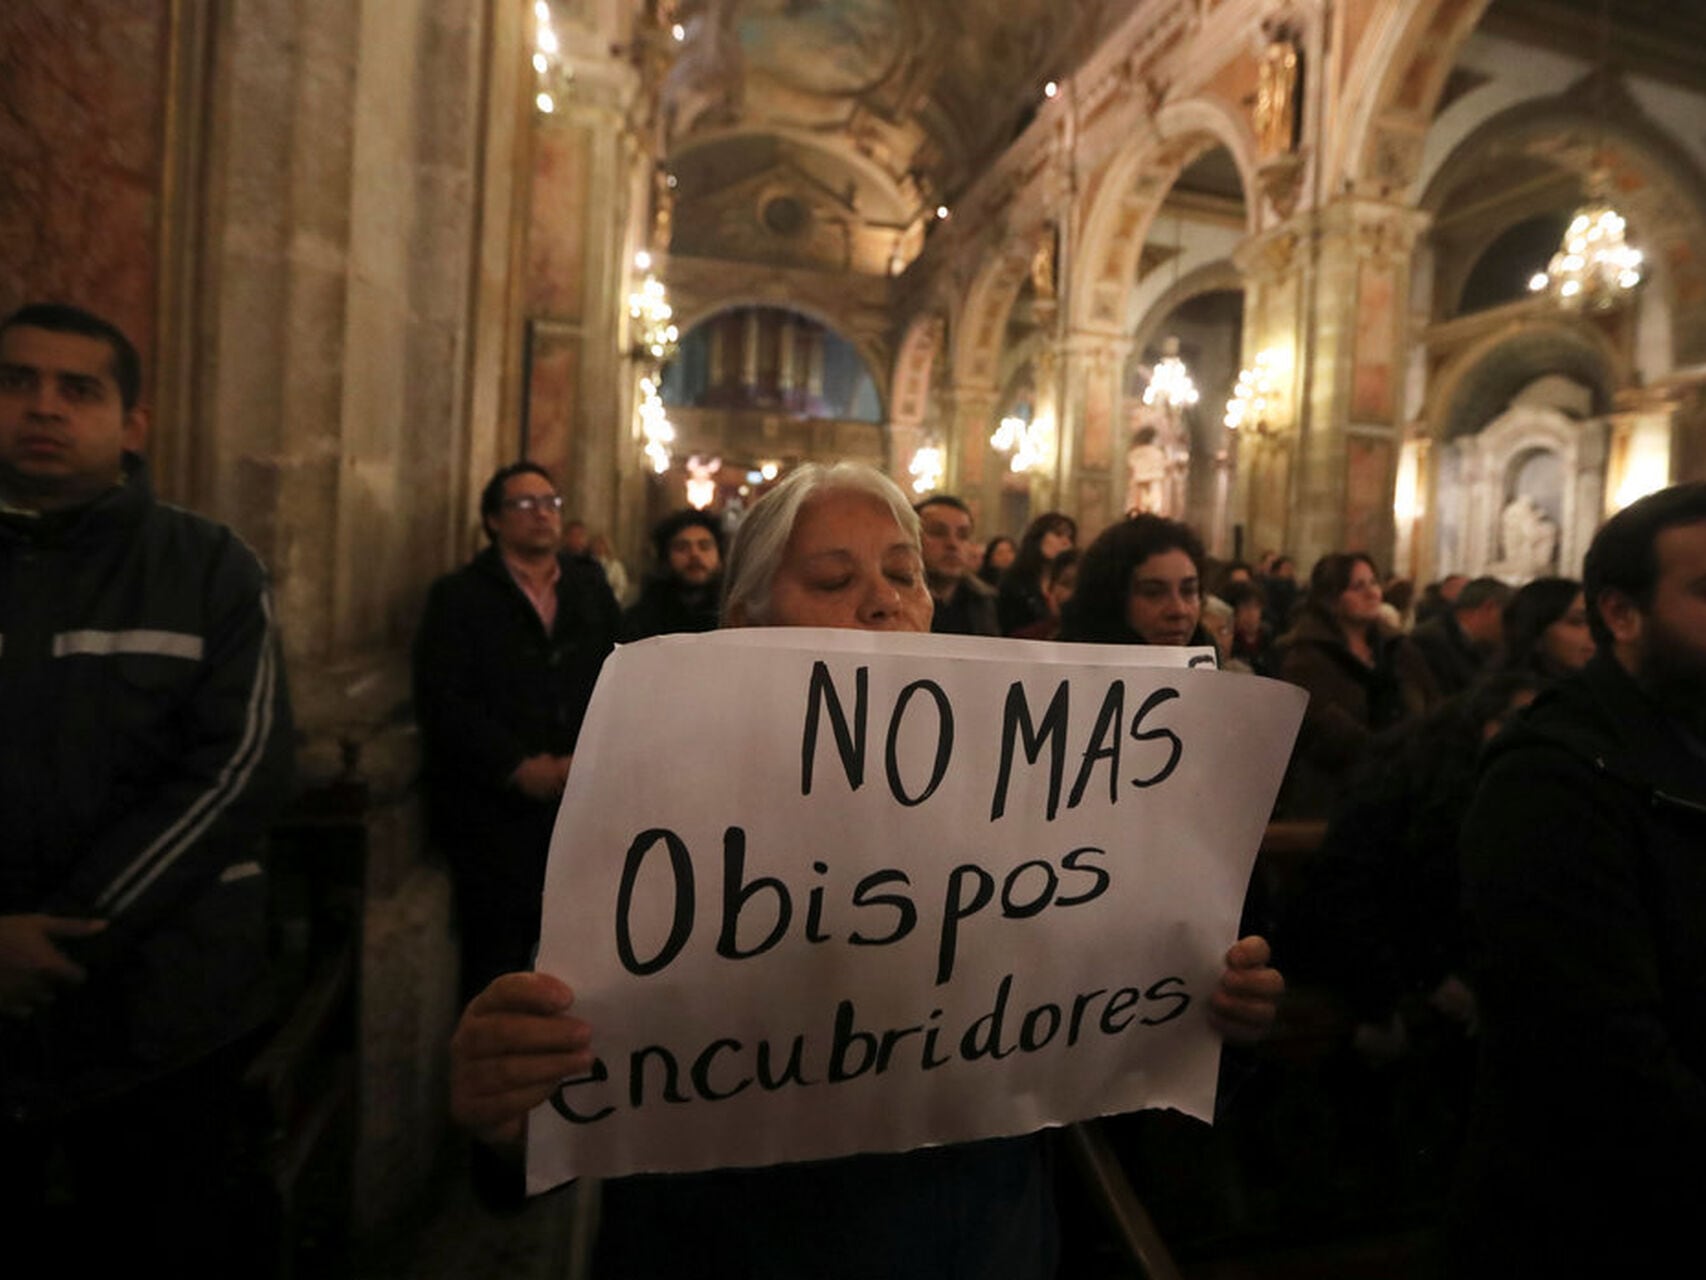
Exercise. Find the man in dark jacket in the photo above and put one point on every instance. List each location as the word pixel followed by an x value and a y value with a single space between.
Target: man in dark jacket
pixel 1461 641
pixel 685 593
pixel 146 744
pixel 506 657
pixel 965 605
pixel 1585 878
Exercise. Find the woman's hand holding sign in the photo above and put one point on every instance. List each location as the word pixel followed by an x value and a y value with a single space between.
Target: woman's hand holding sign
pixel 1243 1005
pixel 517 1042
pixel 514 1045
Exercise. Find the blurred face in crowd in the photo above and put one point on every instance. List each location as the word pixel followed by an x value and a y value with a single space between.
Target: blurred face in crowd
pixel 849 564
pixel 1665 646
pixel 1219 628
pixel 946 534
pixel 1359 602
pixel 693 556
pixel 1568 644
pixel 1164 603
pixel 529 519
pixel 1054 542
pixel 1247 620
pixel 63 425
pixel 1059 587
pixel 1000 554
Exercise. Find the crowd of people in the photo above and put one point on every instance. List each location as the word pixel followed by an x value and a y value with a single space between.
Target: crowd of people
pixel 1363 1109
pixel 1483 882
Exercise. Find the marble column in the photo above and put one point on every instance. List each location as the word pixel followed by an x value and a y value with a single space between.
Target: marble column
pixel 973 467
pixel 1093 472
pixel 590 171
pixel 1329 294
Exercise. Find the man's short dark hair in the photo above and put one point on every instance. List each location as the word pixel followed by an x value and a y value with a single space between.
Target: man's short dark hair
pixel 1623 555
pixel 1479 591
pixel 942 500
pixel 671 526
pixel 59 317
pixel 492 496
pixel 1097 610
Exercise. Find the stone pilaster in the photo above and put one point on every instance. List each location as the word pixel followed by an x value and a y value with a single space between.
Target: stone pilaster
pixel 1329 295
pixel 585 225
pixel 973 467
pixel 1093 447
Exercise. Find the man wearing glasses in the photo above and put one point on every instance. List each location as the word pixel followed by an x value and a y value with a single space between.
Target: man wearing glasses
pixel 506 658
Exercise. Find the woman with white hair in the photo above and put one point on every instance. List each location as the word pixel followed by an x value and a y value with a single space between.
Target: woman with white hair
pixel 831 546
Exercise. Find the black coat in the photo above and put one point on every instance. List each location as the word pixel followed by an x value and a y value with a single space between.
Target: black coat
pixel 970 611
pixel 664 609
pixel 1585 879
pixel 1451 655
pixel 145 747
pixel 491 689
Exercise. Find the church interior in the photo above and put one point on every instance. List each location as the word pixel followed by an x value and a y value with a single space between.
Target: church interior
pixel 1422 278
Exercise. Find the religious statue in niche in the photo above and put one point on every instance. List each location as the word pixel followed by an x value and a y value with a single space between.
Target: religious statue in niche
pixel 1276 97
pixel 1043 262
pixel 1528 540
pixel 1156 464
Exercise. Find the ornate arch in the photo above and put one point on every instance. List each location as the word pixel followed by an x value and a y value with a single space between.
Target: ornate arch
pixel 921 345
pixel 1474 387
pixel 1390 93
pixel 1131 189
pixel 872 350
pixel 982 319
pixel 1658 187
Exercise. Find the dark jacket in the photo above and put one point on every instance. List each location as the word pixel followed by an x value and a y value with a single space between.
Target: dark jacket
pixel 1349 702
pixel 1585 879
pixel 146 742
pixel 1451 655
pixel 492 689
pixel 1019 603
pixel 970 611
pixel 665 609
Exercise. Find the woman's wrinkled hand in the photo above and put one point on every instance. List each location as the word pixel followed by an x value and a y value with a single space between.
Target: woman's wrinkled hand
pixel 1243 1006
pixel 515 1044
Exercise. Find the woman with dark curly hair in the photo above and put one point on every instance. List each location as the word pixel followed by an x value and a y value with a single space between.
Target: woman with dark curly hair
pixel 1021 601
pixel 1140 582
pixel 1546 628
pixel 1361 679
pixel 998 554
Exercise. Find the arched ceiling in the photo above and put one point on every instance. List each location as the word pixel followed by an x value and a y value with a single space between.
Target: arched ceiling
pixel 826 132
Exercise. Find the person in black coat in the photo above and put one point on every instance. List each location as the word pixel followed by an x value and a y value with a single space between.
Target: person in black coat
pixel 1585 887
pixel 508 651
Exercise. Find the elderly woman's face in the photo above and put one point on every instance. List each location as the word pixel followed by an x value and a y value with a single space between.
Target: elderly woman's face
pixel 849 564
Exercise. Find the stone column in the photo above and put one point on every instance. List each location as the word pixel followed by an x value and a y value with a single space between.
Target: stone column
pixel 585 226
pixel 1330 295
pixel 1093 447
pixel 973 467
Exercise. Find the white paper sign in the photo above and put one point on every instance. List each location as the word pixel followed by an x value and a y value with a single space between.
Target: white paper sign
pixel 823 892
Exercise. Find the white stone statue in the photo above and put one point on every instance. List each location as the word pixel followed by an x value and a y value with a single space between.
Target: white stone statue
pixel 1528 539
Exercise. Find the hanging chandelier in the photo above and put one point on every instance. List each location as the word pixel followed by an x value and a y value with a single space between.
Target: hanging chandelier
pixel 656 429
pixel 655 334
pixel 1256 390
pixel 1170 382
pixel 926 468
pixel 1595 267
pixel 1031 444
